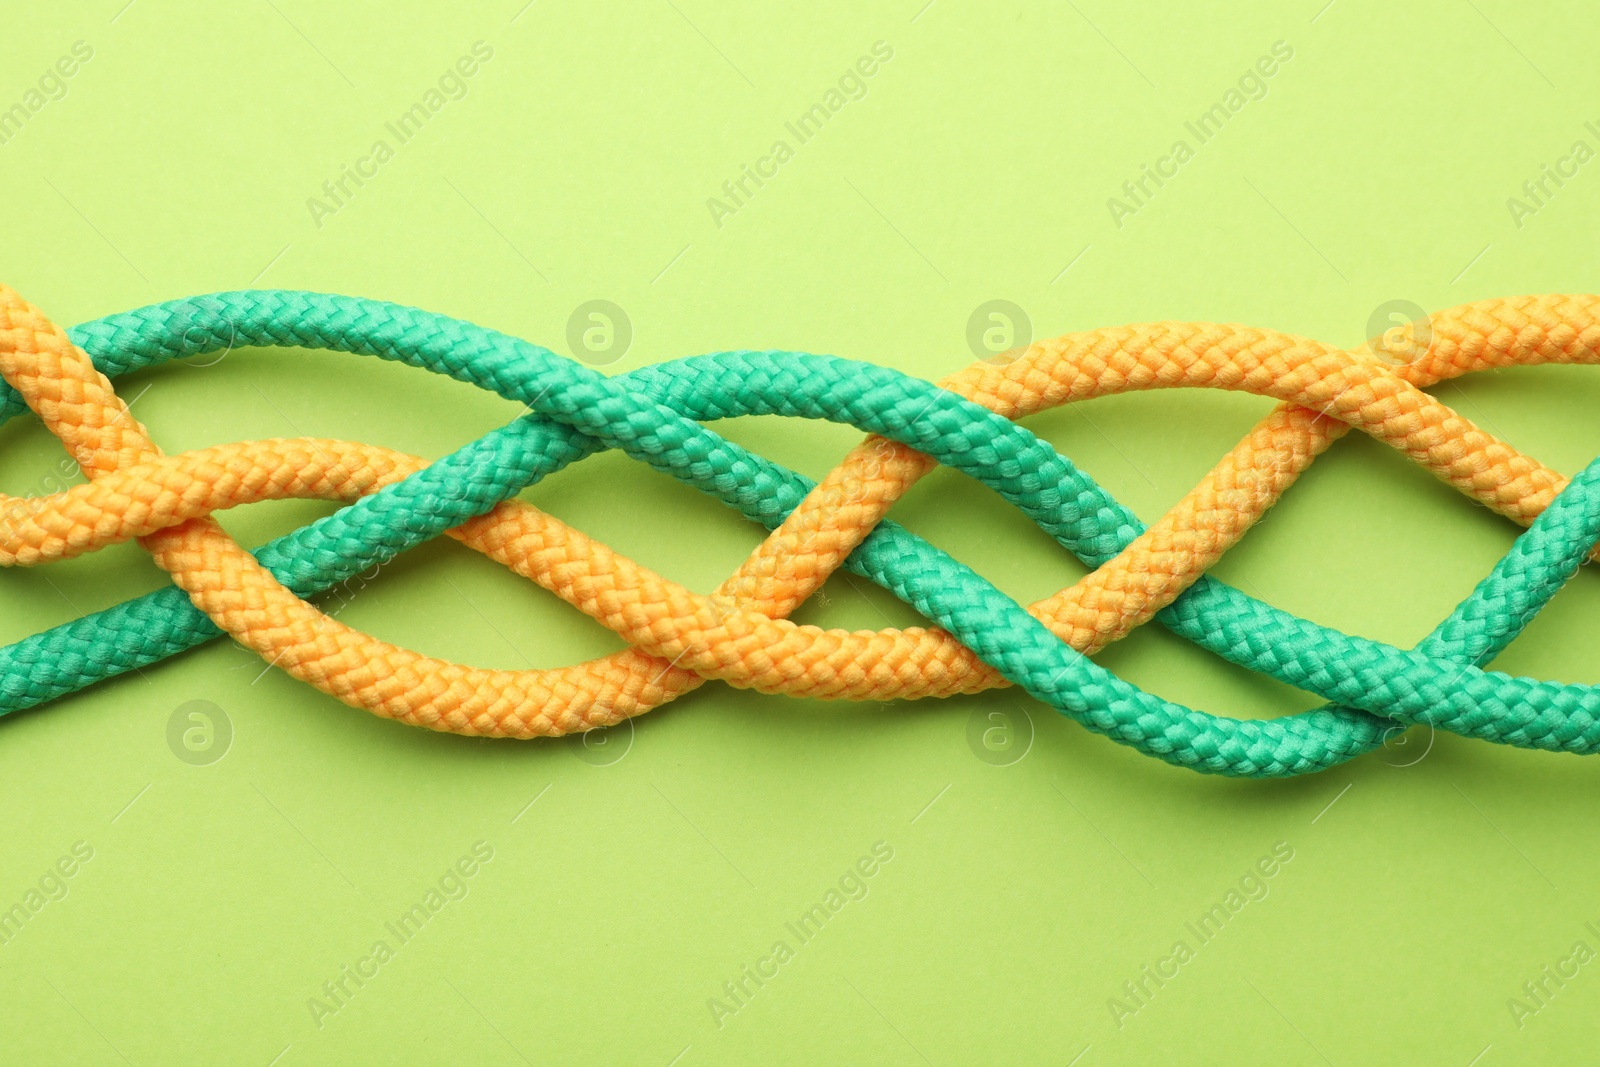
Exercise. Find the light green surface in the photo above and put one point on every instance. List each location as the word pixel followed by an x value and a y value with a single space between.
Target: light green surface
pixel 977 167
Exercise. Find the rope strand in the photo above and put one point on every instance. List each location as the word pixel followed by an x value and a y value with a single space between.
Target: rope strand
pixel 740 633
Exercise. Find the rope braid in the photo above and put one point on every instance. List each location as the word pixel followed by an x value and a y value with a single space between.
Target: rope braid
pixel 740 632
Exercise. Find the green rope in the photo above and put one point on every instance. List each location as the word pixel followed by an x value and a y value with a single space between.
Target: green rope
pixel 654 415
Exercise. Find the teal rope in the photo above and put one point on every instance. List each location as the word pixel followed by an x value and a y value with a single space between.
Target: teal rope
pixel 653 415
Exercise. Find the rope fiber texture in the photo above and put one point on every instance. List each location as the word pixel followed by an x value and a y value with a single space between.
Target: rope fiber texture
pixel 740 633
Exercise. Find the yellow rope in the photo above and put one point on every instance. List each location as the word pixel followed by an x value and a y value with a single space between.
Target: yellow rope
pixel 740 633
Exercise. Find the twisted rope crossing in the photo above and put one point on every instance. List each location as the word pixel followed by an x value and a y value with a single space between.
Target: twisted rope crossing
pixel 740 633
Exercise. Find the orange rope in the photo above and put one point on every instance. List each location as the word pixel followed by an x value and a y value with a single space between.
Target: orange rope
pixel 739 633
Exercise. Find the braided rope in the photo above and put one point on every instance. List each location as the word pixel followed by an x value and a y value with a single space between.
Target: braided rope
pixel 740 632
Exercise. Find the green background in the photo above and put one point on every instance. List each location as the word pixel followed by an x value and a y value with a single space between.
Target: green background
pixel 1429 880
